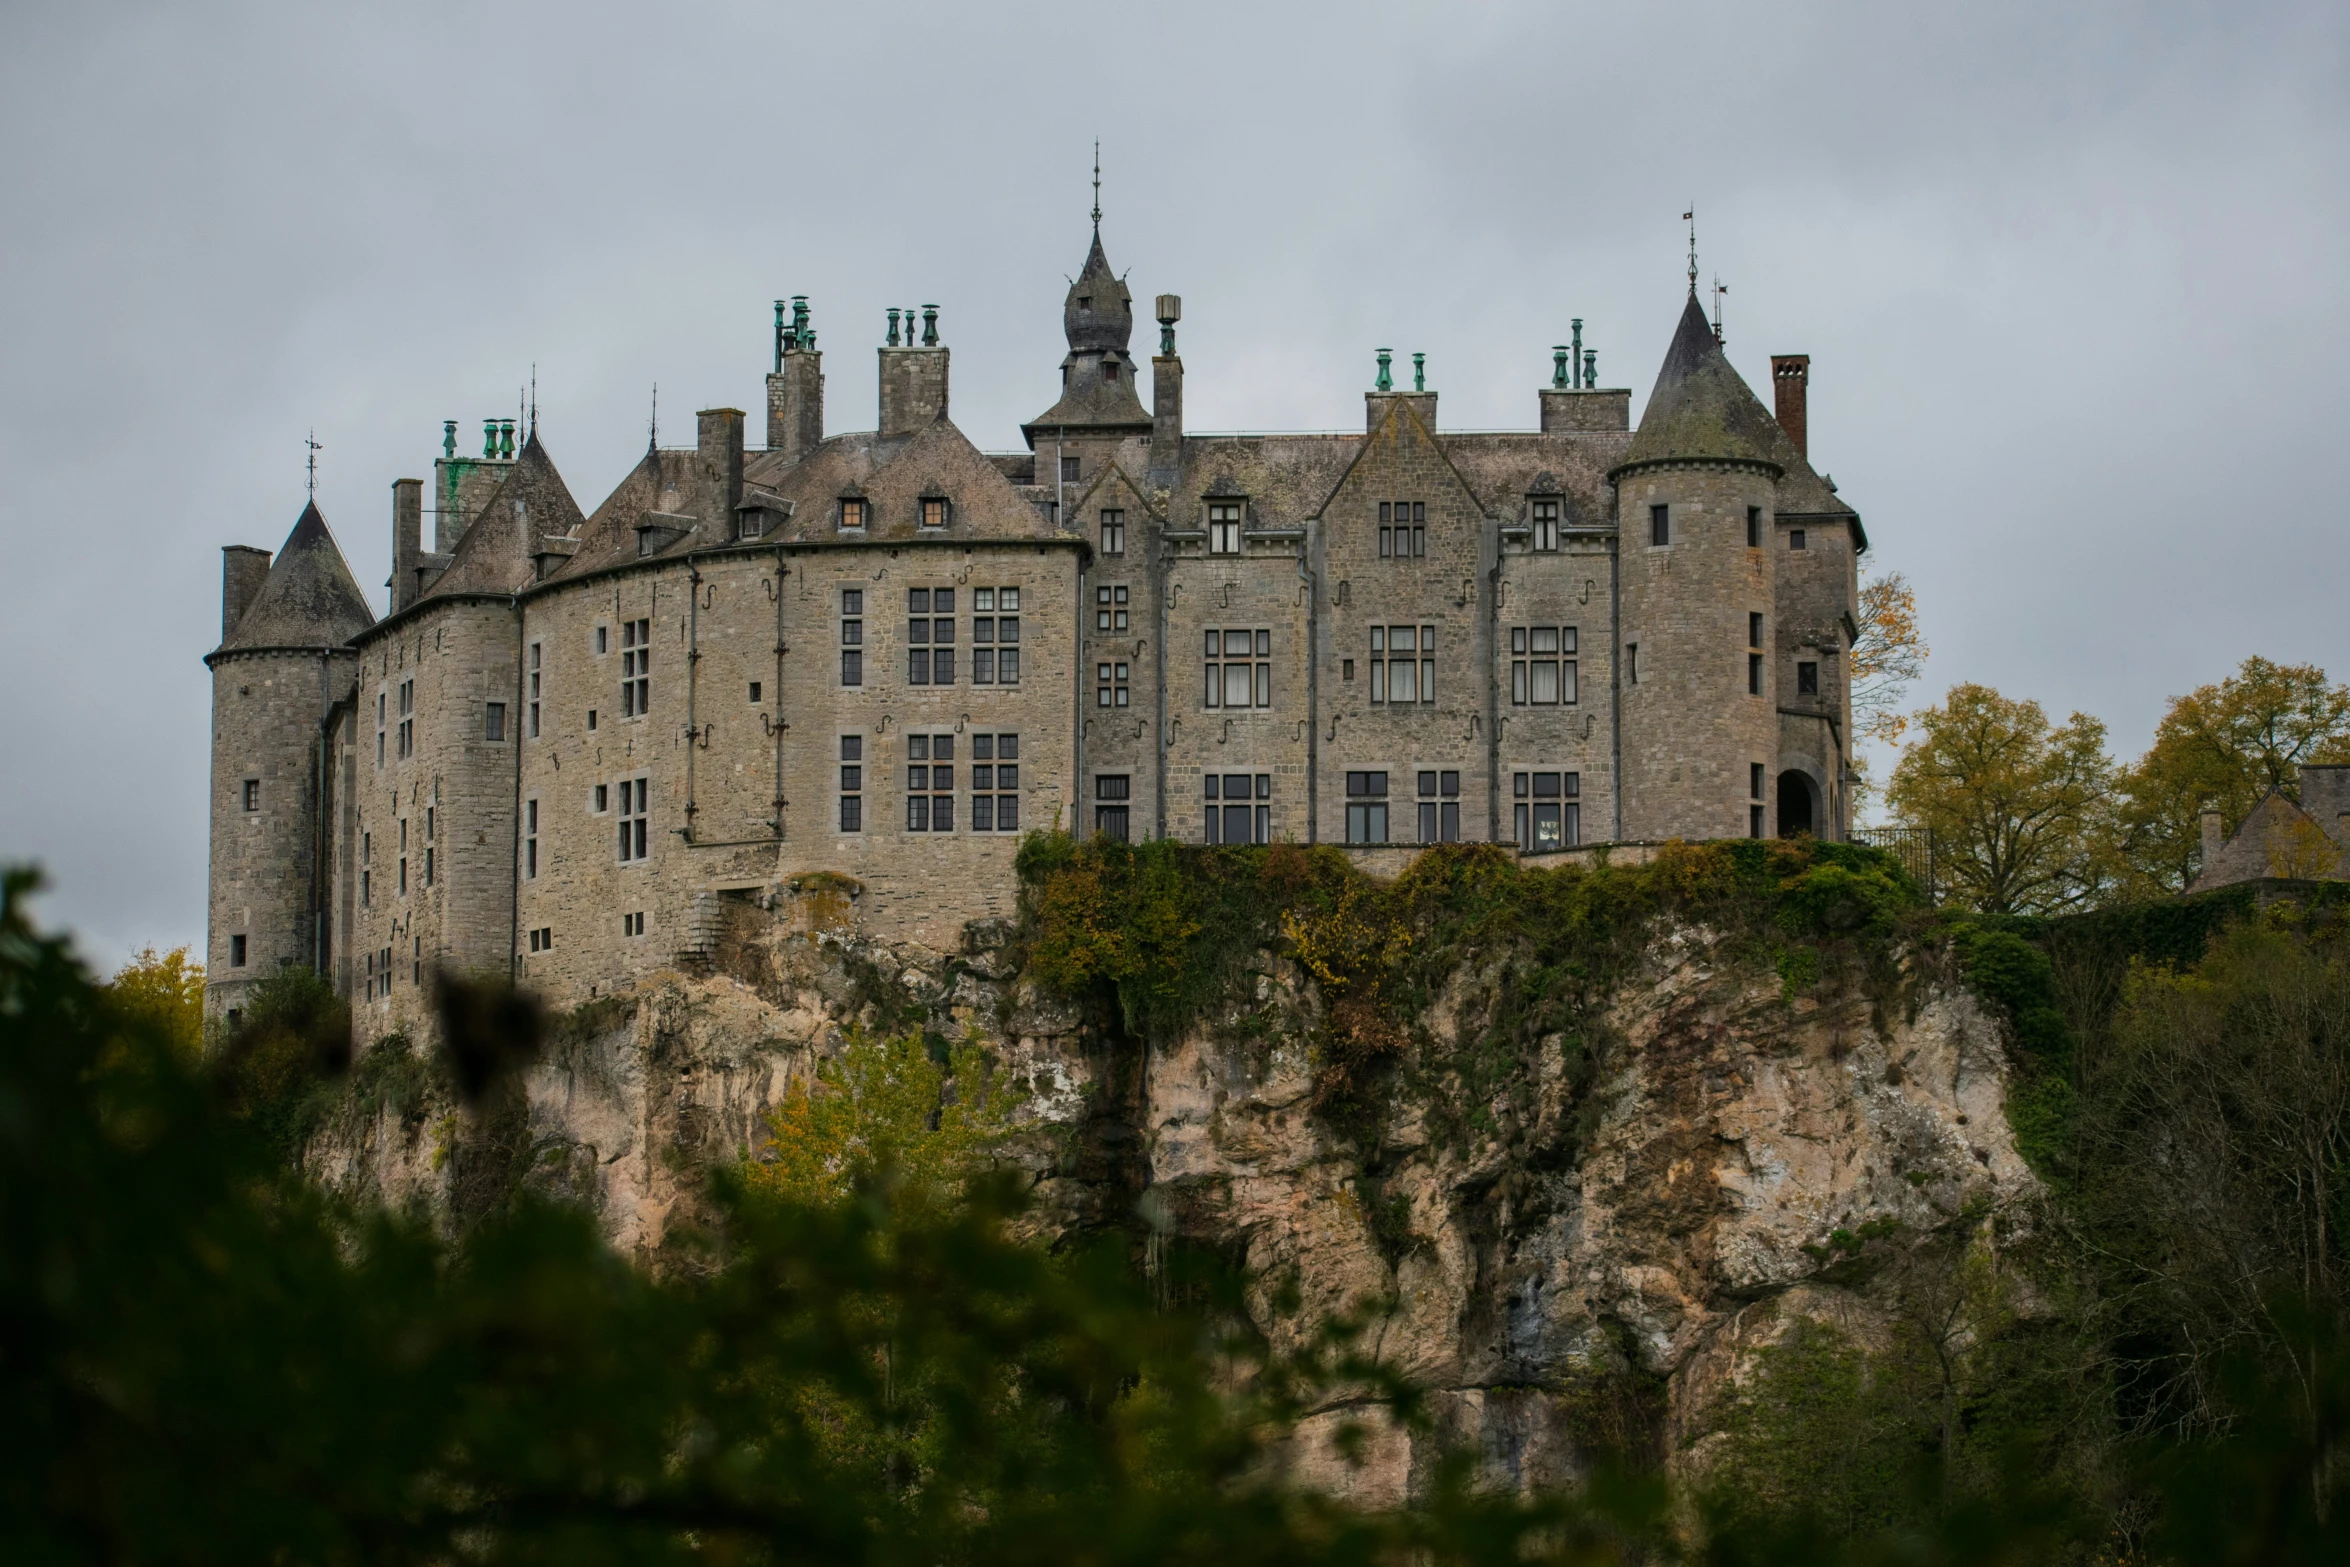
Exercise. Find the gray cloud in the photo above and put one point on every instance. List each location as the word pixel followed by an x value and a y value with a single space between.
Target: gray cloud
pixel 2071 277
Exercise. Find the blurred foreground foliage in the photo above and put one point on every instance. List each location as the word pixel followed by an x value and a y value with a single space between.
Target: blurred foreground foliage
pixel 206 1358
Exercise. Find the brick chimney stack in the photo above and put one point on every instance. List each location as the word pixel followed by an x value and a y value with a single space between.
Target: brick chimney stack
pixel 1791 381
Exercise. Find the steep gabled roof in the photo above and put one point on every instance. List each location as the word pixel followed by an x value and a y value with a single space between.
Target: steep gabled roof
pixel 893 474
pixel 309 598
pixel 530 503
pixel 1701 408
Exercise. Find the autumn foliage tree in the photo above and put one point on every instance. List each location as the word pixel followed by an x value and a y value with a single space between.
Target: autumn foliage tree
pixel 164 991
pixel 2223 747
pixel 1887 659
pixel 2017 805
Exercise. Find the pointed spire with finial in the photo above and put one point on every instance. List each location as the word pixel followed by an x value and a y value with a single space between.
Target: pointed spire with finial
pixel 1690 218
pixel 311 441
pixel 653 429
pixel 1097 187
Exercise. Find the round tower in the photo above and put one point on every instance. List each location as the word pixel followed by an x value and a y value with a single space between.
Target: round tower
pixel 283 663
pixel 1696 677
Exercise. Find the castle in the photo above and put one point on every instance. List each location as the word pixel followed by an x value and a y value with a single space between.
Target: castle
pixel 867 662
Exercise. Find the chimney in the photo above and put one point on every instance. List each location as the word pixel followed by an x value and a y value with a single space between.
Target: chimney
pixel 1791 382
pixel 1167 397
pixel 242 571
pixel 407 539
pixel 913 378
pixel 718 441
pixel 795 392
pixel 2325 795
pixel 2213 841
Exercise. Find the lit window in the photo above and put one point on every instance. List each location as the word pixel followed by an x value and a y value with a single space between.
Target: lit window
pixel 852 511
pixel 934 511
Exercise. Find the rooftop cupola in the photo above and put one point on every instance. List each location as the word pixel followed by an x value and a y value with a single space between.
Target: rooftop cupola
pixel 1098 397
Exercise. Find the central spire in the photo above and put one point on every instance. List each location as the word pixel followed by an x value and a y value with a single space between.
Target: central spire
pixel 1097 188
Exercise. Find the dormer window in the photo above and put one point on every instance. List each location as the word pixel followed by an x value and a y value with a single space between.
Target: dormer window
pixel 934 511
pixel 852 511
pixel 1224 527
pixel 1085 301
pixel 1109 369
pixel 1546 523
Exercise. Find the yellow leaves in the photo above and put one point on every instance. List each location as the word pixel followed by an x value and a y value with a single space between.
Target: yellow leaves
pixel 885 1109
pixel 165 991
pixel 1887 658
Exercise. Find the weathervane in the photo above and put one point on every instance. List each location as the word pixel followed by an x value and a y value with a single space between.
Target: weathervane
pixel 311 441
pixel 653 431
pixel 1097 187
pixel 1720 288
pixel 1690 218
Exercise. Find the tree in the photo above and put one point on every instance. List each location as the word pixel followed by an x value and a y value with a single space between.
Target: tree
pixel 1887 658
pixel 165 991
pixel 886 1110
pixel 2016 805
pixel 2224 747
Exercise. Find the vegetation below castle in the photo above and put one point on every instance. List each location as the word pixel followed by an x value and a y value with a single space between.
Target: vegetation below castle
pixel 224 1362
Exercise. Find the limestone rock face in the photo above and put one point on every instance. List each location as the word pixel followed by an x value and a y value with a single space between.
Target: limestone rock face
pixel 1643 1202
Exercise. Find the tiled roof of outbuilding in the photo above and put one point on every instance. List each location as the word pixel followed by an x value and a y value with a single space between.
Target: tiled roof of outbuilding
pixel 1701 407
pixel 309 598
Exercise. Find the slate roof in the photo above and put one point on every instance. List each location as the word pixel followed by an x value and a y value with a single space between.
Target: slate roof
pixel 1109 321
pixel 494 555
pixel 1091 405
pixel 893 476
pixel 309 598
pixel 1701 408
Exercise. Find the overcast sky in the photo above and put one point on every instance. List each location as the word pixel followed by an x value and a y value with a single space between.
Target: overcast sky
pixel 2071 277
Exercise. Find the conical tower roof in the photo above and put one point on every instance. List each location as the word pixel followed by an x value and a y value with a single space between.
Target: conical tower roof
pixel 1099 313
pixel 1701 408
pixel 308 600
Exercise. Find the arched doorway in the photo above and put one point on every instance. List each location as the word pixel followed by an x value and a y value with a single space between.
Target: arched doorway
pixel 1797 812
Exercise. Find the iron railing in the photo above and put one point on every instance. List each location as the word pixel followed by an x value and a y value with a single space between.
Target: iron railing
pixel 1912 846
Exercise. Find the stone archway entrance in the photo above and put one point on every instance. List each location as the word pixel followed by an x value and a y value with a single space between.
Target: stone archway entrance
pixel 1798 805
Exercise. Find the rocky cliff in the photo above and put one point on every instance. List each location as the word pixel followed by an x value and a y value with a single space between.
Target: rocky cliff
pixel 1573 1231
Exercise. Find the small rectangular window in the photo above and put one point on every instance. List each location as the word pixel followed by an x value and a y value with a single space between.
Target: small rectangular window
pixel 1754 779
pixel 852 636
pixel 493 724
pixel 603 639
pixel 1632 663
pixel 1224 527
pixel 634 824
pixel 1795 538
pixel 1754 674
pixel 754 693
pixel 1069 470
pixel 1366 807
pixel 1660 525
pixel 530 841
pixel 1546 524
pixel 934 511
pixel 1754 527
pixel 852 511
pixel 1807 679
pixel 1113 532
pixel 1754 821
pixel 236 952
pixel 1754 628
pixel 852 783
pixel 252 794
pixel 636 665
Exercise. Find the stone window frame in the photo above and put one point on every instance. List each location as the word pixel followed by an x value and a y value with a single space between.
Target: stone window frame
pixel 1527 794
pixel 1113 795
pixel 1437 794
pixel 1528 660
pixel 1218 809
pixel 249 788
pixel 995 781
pixel 1546 516
pixel 1113 530
pixel 1109 613
pixel 530 838
pixel 923 513
pixel 1660 525
pixel 1252 662
pixel 922 794
pixel 537 672
pixel 995 636
pixel 1421 664
pixel 925 639
pixel 236 949
pixel 407 729
pixel 636 666
pixel 852 636
pixel 846 507
pixel 493 723
pixel 1226 517
pixel 635 817
pixel 1367 805
pixel 849 753
pixel 1403 537
pixel 1112 684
